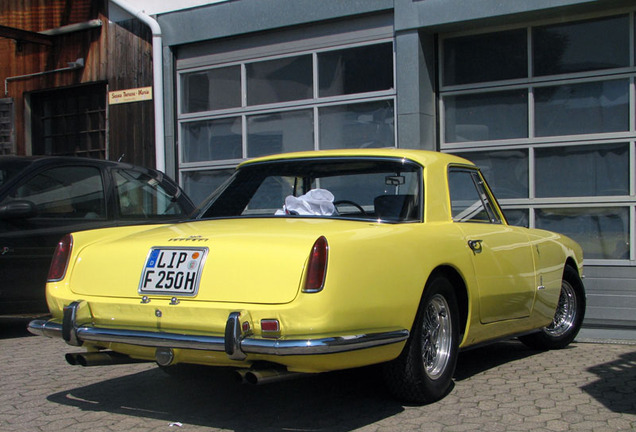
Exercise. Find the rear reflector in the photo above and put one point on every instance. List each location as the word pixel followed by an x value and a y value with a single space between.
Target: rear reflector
pixel 317 266
pixel 57 271
pixel 270 325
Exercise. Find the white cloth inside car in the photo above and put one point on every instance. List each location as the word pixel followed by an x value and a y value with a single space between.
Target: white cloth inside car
pixel 316 202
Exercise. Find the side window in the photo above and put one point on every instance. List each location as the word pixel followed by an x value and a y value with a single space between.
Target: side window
pixel 63 192
pixel 470 201
pixel 141 196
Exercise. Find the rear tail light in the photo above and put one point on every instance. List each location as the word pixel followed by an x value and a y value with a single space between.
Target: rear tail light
pixel 317 266
pixel 60 259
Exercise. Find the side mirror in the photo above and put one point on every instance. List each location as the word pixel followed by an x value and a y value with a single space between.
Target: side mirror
pixel 18 209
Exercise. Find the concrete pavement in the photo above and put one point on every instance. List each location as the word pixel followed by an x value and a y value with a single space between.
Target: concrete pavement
pixel 503 387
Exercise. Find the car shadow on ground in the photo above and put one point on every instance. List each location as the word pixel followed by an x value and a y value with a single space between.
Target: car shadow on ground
pixel 212 397
pixel 339 401
pixel 478 360
pixel 16 327
pixel 616 384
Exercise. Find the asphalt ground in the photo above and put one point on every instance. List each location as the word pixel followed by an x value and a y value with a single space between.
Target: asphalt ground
pixel 502 387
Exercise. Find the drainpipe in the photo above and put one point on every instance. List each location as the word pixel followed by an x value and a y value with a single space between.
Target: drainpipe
pixel 157 72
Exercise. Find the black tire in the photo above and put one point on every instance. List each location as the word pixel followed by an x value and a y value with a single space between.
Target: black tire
pixel 568 316
pixel 423 373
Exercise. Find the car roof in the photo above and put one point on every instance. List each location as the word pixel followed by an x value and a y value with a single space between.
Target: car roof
pixel 23 165
pixel 423 157
pixel 34 162
pixel 45 160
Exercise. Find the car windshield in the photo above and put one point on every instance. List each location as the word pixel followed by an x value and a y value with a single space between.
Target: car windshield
pixel 352 188
pixel 9 168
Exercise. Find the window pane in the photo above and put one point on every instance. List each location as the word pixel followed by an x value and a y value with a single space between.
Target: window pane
pixel 280 133
pixel 487 57
pixel 9 168
pixel 65 192
pixel 280 80
pixel 466 203
pixel 387 195
pixel 596 107
pixel 359 125
pixel 593 170
pixel 270 196
pixel 356 70
pixel 213 89
pixel 363 188
pixel 198 185
pixel 70 121
pixel 602 232
pixel 140 196
pixel 486 116
pixel 517 217
pixel 581 46
pixel 212 140
pixel 7 138
pixel 505 171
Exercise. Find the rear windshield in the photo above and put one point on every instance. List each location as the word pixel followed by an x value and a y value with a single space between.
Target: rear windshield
pixel 9 168
pixel 351 188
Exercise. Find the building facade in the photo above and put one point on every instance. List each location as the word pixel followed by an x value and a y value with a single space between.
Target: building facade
pixel 60 61
pixel 540 94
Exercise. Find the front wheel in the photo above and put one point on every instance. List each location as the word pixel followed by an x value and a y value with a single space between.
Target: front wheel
pixel 568 316
pixel 423 373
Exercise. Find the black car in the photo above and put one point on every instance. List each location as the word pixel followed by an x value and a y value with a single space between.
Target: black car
pixel 43 198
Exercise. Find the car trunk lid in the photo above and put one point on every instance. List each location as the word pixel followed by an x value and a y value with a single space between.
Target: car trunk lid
pixel 248 261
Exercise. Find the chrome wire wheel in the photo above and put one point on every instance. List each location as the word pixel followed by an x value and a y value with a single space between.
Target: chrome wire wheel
pixel 436 336
pixel 565 315
pixel 568 317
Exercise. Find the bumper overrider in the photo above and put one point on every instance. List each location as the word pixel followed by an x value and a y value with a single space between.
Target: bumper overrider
pixel 75 329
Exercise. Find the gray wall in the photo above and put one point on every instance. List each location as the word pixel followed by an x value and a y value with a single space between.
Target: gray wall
pixel 611 289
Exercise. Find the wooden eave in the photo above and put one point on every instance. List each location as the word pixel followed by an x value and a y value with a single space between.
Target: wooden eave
pixel 46 37
pixel 20 35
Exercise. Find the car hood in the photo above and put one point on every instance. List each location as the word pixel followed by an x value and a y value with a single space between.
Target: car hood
pixel 248 260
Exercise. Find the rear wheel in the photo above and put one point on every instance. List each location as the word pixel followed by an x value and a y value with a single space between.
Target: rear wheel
pixel 423 372
pixel 568 316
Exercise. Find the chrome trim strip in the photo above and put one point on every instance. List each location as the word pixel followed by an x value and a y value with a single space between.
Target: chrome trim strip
pixel 277 347
pixel 45 328
pixel 326 345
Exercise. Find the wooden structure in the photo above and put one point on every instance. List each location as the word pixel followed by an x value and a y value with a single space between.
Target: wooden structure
pixel 60 59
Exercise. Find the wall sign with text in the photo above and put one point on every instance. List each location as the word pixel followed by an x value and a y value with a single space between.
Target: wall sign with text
pixel 130 95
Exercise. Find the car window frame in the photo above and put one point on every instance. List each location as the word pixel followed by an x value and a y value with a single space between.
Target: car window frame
pixel 170 189
pixel 488 201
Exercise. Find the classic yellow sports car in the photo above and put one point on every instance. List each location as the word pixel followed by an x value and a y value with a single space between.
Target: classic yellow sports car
pixel 318 261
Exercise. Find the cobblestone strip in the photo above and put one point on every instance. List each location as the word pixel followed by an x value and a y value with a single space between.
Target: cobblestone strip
pixel 504 387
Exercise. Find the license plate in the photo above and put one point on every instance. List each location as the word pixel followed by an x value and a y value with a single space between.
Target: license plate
pixel 172 271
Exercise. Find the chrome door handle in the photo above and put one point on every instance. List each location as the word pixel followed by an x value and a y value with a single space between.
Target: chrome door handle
pixel 475 246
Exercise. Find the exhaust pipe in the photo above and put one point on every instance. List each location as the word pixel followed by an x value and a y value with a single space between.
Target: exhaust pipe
pixel 265 376
pixel 239 375
pixel 99 359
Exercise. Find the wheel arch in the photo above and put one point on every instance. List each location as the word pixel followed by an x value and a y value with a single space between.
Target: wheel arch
pixel 461 293
pixel 571 262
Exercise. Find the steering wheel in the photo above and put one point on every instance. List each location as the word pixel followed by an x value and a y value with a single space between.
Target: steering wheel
pixel 351 203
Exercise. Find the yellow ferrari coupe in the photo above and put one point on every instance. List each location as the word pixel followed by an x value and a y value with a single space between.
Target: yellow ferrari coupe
pixel 319 261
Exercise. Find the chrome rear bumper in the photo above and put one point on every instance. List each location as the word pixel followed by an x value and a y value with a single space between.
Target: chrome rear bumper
pixel 234 343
